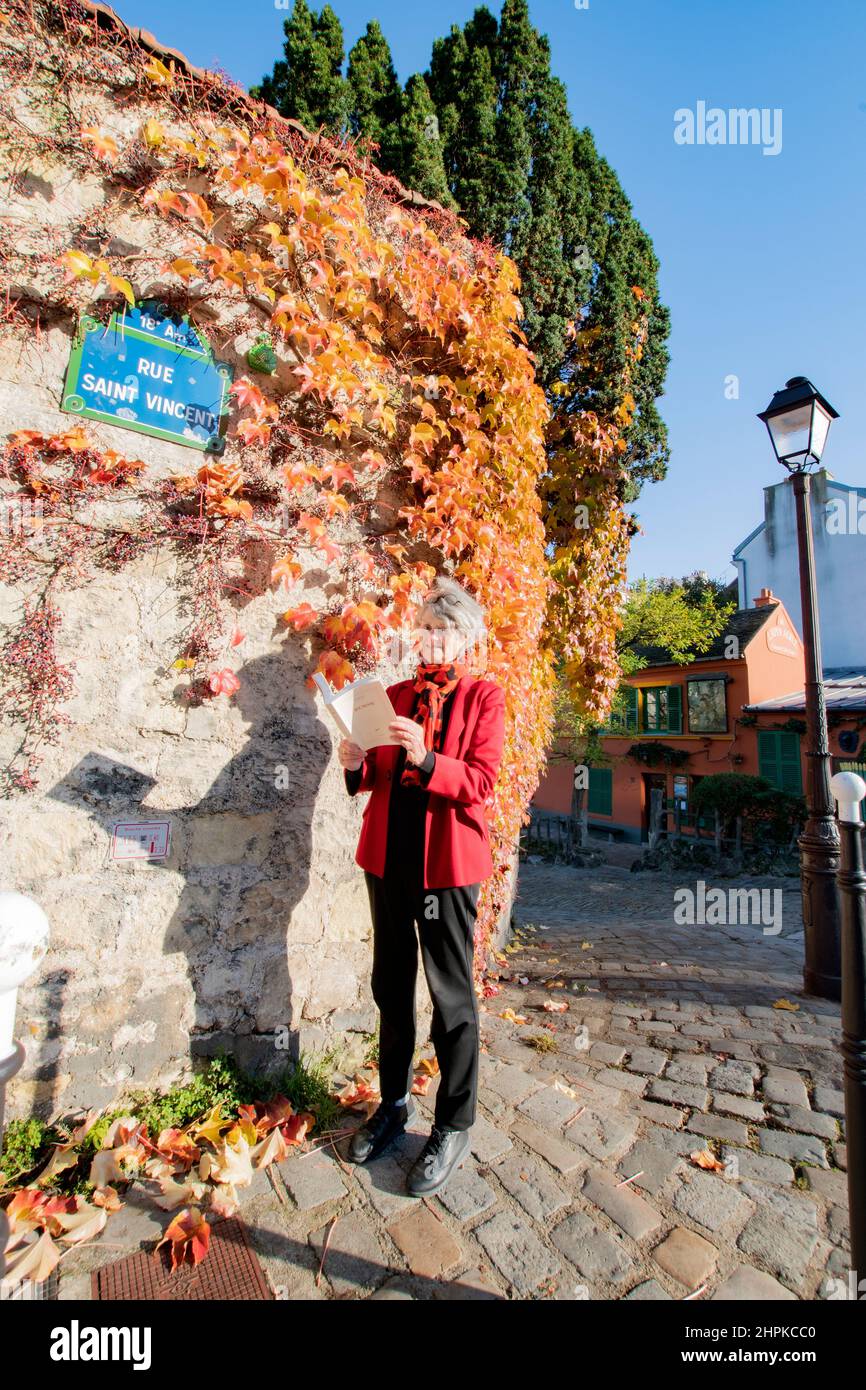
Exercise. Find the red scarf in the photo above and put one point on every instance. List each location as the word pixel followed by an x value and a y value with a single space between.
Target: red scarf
pixel 434 680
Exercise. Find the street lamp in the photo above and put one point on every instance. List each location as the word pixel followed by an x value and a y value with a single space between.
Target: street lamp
pixel 798 422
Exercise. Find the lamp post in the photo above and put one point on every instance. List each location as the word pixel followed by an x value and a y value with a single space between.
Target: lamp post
pixel 23 943
pixel 798 421
pixel 849 790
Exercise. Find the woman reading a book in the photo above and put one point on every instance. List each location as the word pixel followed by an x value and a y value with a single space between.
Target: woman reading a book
pixel 424 850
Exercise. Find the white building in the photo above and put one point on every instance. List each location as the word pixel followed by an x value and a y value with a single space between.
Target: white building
pixel 767 559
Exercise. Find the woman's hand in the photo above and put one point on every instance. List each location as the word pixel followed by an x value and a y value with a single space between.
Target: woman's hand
pixel 411 734
pixel 351 754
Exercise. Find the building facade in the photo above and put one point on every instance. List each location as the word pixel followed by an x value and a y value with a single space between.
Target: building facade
pixel 739 708
pixel 767 559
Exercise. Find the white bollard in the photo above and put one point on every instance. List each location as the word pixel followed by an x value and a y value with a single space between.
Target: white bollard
pixel 849 790
pixel 23 943
pixel 24 932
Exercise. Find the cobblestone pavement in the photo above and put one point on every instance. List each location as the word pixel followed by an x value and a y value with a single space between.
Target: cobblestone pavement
pixel 580 1182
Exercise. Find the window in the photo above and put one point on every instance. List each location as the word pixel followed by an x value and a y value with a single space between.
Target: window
pixel 662 709
pixel 600 796
pixel 779 760
pixel 708 712
pixel 624 715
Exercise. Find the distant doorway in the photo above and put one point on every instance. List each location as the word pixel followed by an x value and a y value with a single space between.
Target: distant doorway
pixel 655 786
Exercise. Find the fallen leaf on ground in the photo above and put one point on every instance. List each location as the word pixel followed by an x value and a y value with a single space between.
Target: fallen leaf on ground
pixel 35 1262
pixel 189 1238
pixel 703 1158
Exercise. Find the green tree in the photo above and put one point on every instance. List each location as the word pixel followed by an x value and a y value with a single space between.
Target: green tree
pixel 307 84
pixel 421 165
pixel 504 151
pixel 680 617
pixel 375 97
pixel 522 174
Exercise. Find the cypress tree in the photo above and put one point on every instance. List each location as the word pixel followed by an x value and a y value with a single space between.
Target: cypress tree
pixel 375 96
pixel 307 84
pixel 487 129
pixel 419 164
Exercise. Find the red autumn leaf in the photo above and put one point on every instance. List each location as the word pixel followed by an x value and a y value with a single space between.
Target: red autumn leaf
pixel 329 548
pixel 188 1236
pixel 300 617
pixel 224 682
pixel 246 393
pixel 294 1130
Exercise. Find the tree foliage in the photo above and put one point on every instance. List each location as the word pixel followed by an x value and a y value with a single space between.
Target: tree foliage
pixel 681 617
pixel 504 149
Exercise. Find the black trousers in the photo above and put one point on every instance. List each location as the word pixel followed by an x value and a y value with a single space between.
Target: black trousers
pixel 446 929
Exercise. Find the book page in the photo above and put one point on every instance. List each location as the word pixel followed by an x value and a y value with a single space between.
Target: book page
pixel 363 711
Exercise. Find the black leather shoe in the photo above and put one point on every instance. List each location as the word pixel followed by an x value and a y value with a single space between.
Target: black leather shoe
pixel 445 1150
pixel 383 1126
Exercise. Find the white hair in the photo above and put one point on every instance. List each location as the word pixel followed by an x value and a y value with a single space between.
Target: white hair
pixel 450 602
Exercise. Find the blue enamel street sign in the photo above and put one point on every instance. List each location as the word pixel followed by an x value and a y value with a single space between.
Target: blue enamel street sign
pixel 151 371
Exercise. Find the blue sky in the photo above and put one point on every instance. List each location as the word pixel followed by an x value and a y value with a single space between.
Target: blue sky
pixel 762 256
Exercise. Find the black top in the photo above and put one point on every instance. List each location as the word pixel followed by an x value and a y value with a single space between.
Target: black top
pixel 408 805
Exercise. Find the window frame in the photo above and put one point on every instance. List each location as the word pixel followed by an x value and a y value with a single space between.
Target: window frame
pixel 706 680
pixel 673 707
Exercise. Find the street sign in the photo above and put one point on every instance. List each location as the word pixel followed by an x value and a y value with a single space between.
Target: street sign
pixel 149 370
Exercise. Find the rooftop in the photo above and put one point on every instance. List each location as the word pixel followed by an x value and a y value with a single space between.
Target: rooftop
pixel 844 689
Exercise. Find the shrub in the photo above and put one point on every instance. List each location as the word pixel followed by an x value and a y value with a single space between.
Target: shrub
pixel 766 811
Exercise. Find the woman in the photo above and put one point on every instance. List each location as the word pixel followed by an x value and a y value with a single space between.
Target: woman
pixel 424 850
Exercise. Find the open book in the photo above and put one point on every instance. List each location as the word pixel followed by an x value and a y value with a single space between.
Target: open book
pixel 361 711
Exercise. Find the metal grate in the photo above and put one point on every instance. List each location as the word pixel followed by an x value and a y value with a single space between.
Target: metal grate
pixel 229 1270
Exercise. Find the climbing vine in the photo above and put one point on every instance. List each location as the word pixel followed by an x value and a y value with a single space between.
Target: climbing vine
pixel 387 356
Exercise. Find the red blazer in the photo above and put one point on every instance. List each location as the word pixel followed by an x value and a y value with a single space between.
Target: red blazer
pixel 456 845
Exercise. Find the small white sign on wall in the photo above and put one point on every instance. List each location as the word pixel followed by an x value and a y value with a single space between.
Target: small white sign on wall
pixel 145 839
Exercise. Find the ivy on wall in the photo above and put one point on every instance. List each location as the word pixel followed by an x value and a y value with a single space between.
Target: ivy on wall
pixel 397 366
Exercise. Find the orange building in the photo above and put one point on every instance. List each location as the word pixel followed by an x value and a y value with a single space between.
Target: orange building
pixel 738 708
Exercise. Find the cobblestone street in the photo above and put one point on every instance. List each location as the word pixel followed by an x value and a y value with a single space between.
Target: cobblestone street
pixel 581 1184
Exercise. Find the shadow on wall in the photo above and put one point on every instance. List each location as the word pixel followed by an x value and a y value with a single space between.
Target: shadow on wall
pixel 243 852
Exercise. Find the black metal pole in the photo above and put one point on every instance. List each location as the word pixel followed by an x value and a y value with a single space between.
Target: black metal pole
pixel 819 842
pixel 852 889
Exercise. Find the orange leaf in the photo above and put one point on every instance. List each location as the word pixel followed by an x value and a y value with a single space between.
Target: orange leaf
pixel 703 1158
pixel 286 569
pixel 189 1237
pixel 300 617
pixel 105 146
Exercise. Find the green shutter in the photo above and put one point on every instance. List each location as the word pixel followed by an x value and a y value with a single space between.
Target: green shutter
pixel 600 797
pixel 779 760
pixel 768 756
pixel 790 766
pixel 631 709
pixel 675 709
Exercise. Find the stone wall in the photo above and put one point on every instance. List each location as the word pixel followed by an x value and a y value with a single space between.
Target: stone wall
pixel 254 933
